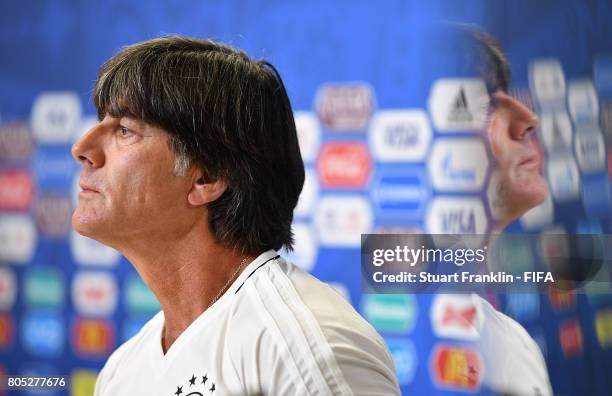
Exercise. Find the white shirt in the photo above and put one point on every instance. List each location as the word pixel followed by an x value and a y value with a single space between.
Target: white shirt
pixel 276 331
pixel 512 360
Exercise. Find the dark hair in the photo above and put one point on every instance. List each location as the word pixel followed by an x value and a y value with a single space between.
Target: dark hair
pixel 226 113
pixel 495 68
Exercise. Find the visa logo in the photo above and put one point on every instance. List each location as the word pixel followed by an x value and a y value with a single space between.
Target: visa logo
pixel 456 216
pixel 459 222
pixel 402 135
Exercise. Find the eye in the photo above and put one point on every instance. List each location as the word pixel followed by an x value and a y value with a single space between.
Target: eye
pixel 124 132
pixel 125 136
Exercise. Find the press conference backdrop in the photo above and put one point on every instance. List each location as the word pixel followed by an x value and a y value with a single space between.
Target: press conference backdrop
pixel 382 119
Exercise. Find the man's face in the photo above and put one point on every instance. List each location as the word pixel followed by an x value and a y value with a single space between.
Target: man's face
pixel 517 157
pixel 129 189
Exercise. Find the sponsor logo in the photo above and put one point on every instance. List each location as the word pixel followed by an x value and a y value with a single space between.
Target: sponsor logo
pixel 603 328
pixel 562 300
pixel 53 215
pixel 55 116
pixel 16 189
pixel 53 166
pixel 590 150
pixel 400 194
pixel 456 316
pixel 305 249
pixel 6 331
pixel 309 134
pixel 405 359
pixel 309 194
pixel 458 164
pixel 131 327
pixel 582 100
pixel 539 216
pixel 556 131
pixel 93 338
pixel 456 216
pixel 563 178
pixel 44 288
pixel 138 296
pixel 15 141
pixel 89 252
pixel 345 107
pixel 42 334
pixel 344 165
pixel 94 293
pixel 547 81
pixel 458 105
pixel 390 313
pixel 570 336
pixel 523 306
pixel 400 135
pixel 17 238
pixel 456 368
pixel 8 289
pixel 340 220
pixel 83 382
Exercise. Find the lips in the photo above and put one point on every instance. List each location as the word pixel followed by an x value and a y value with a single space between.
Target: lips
pixel 88 188
pixel 534 155
pixel 531 161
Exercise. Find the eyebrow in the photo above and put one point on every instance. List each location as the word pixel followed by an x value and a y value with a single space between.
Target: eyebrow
pixel 135 122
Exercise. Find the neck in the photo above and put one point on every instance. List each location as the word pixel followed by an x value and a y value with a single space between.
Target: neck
pixel 186 273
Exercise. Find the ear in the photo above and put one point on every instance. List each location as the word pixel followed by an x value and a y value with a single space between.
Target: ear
pixel 204 191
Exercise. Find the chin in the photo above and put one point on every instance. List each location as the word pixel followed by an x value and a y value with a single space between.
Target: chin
pixel 528 196
pixel 518 197
pixel 87 226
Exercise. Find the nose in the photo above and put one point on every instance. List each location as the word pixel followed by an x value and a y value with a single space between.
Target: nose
pixel 88 149
pixel 524 122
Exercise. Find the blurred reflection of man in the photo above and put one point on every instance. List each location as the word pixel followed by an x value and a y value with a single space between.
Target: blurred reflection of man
pixel 193 173
pixel 511 133
pixel 513 362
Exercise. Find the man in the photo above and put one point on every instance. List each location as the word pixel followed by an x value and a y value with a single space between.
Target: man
pixel 512 361
pixel 511 134
pixel 193 173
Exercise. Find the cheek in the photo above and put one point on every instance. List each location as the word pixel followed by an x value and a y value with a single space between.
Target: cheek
pixel 148 186
pixel 496 137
